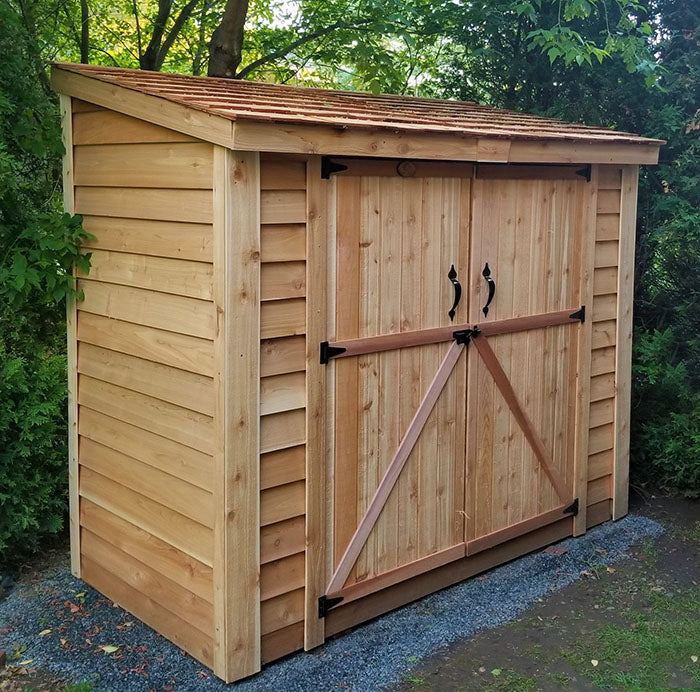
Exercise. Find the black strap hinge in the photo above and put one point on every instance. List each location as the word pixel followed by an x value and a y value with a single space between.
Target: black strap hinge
pixel 572 508
pixel 585 172
pixel 580 314
pixel 325 604
pixel 328 167
pixel 464 336
pixel 328 352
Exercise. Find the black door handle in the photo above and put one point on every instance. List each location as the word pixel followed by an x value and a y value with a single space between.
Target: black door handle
pixel 492 288
pixel 452 276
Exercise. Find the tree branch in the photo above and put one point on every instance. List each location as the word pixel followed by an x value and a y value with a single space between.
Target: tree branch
pixel 242 74
pixel 184 15
pixel 149 58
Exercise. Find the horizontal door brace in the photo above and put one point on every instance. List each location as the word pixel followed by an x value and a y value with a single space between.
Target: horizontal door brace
pixel 437 335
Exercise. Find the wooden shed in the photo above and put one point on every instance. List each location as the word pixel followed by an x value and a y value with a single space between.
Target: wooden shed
pixel 336 351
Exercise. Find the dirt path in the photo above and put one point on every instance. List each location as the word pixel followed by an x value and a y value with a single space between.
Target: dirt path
pixel 634 626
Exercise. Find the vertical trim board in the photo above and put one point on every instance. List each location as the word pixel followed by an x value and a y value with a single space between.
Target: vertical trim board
pixel 316 332
pixel 71 349
pixel 623 351
pixel 236 480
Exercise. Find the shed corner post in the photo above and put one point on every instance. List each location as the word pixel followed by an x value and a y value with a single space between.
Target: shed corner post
pixel 71 348
pixel 623 351
pixel 316 395
pixel 583 396
pixel 236 566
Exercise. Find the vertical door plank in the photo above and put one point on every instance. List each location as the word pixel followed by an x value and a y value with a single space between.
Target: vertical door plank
pixel 389 308
pixel 409 364
pixel 347 324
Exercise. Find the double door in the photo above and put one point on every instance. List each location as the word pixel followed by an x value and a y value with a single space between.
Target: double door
pixel 451 365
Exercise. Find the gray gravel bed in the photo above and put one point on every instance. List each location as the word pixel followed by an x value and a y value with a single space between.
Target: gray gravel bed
pixel 372 656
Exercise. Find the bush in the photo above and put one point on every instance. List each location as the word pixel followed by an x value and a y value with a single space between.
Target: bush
pixel 666 416
pixel 33 449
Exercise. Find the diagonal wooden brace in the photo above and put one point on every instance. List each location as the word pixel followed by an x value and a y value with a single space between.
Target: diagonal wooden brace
pixel 503 383
pixel 374 509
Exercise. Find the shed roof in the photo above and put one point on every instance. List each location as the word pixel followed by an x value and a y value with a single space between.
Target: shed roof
pixel 239 100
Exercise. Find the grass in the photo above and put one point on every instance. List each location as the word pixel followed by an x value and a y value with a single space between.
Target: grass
pixel 654 646
pixel 512 681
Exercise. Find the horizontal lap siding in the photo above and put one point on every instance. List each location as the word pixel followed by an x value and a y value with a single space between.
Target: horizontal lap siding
pixel 282 403
pixel 145 360
pixel 604 318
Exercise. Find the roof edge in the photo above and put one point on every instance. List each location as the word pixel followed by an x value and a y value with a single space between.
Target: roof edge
pixel 198 123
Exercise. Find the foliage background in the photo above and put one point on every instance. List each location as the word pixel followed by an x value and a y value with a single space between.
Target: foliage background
pixel 609 62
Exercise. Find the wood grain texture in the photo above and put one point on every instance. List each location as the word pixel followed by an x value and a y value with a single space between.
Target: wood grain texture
pixel 282 539
pixel 186 389
pixel 168 420
pixel 282 502
pixel 279 280
pixel 163 591
pixel 190 537
pixel 316 400
pixel 237 431
pixel 180 277
pixel 149 308
pixel 71 347
pixel 191 574
pixel 170 491
pixel 283 242
pixel 108 127
pixel 162 620
pixel 160 452
pixel 190 241
pixel 282 355
pixel 172 165
pixel 623 352
pixel 192 206
pixel 180 351
pixel 205 126
pixel 584 387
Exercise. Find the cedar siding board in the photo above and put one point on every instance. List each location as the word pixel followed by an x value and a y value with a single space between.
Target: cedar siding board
pixel 145 392
pixel 218 470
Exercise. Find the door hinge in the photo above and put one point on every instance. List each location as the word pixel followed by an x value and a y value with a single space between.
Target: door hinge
pixel 328 167
pixel 585 172
pixel 580 314
pixel 572 508
pixel 464 336
pixel 328 352
pixel 325 604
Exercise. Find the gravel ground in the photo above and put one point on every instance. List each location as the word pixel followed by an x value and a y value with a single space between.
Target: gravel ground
pixel 64 624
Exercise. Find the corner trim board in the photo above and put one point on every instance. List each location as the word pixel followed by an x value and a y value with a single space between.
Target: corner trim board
pixel 237 633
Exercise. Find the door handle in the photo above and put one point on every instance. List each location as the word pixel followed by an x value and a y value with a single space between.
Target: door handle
pixel 492 288
pixel 452 276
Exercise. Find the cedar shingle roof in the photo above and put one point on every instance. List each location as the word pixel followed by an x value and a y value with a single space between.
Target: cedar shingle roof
pixel 238 100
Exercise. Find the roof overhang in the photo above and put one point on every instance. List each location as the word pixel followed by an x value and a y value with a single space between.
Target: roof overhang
pixel 253 135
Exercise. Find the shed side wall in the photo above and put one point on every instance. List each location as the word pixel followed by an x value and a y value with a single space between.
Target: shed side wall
pixel 145 362
pixel 283 219
pixel 604 315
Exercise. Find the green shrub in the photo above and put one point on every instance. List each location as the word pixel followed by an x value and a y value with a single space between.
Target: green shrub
pixel 33 449
pixel 665 416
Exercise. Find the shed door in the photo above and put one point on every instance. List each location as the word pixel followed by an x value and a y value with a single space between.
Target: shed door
pixel 522 384
pixel 449 435
pixel 396 240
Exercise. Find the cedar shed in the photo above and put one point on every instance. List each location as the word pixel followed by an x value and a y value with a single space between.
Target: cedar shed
pixel 336 351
